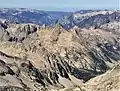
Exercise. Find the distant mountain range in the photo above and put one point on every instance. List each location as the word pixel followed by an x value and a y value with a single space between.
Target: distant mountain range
pixel 90 18
pixel 81 52
pixel 82 18
pixel 22 15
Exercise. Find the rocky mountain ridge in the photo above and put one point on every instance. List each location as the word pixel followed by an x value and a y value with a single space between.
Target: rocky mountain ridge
pixel 23 15
pixel 91 19
pixel 82 18
pixel 35 58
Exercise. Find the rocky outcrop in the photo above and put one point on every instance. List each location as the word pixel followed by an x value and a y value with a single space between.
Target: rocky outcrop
pixel 16 32
pixel 113 27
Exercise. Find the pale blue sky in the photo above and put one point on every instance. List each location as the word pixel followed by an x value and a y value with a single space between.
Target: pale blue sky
pixel 64 5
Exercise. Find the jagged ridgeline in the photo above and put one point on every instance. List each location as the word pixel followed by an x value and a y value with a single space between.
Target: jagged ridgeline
pixel 44 58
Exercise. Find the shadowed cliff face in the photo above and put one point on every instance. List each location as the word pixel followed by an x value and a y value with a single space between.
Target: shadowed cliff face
pixel 37 58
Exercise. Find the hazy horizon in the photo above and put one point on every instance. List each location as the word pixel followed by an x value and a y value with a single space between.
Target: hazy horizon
pixel 61 5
